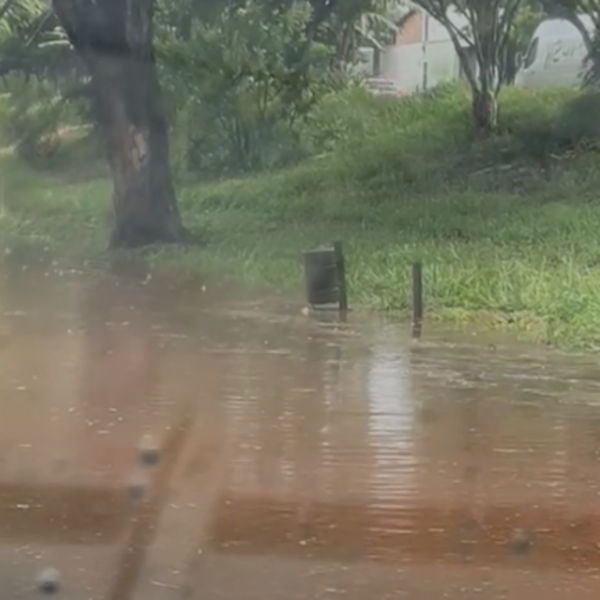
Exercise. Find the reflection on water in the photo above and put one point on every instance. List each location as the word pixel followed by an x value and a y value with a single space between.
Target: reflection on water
pixel 300 457
pixel 391 423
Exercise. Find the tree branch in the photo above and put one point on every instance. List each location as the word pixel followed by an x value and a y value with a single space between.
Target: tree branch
pixel 508 18
pixel 487 35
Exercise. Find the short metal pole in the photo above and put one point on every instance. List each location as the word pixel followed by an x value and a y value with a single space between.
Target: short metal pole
pixel 417 298
pixel 341 275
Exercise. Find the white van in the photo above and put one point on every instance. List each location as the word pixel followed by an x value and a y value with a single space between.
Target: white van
pixel 556 55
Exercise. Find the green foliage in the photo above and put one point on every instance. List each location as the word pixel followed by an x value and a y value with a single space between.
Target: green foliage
pixel 527 18
pixel 31 41
pixel 240 86
pixel 507 230
pixel 506 224
pixel 353 23
pixel 592 64
pixel 31 117
pixel 501 234
pixel 580 122
pixel 482 42
pixel 424 143
pixel 14 14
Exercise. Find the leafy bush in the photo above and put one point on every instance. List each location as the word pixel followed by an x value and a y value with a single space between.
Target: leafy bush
pixel 374 148
pixel 239 88
pixel 426 141
pixel 32 116
pixel 579 122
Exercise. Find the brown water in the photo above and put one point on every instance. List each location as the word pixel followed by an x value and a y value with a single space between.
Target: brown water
pixel 301 458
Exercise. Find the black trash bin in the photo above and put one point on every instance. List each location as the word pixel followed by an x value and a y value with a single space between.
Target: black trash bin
pixel 324 275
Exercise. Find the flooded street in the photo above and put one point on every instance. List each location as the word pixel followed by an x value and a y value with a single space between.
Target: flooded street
pixel 300 457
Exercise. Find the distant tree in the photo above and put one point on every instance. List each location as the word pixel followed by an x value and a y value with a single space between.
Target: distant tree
pixel 486 38
pixel 342 25
pixel 356 23
pixel 114 39
pixel 572 10
pixel 240 85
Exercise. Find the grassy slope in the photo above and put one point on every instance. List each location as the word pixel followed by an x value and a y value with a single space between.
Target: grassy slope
pixel 517 245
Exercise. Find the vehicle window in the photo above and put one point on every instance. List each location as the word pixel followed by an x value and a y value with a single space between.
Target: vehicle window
pixel 531 53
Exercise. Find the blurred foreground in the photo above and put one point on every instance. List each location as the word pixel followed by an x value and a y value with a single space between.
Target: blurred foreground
pixel 300 457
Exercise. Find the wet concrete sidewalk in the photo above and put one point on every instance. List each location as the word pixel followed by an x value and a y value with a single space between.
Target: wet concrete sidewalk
pixel 301 458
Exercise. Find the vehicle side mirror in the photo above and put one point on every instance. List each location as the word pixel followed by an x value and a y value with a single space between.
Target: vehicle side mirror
pixel 519 60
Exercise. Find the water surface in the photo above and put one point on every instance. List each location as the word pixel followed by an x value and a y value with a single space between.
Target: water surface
pixel 301 457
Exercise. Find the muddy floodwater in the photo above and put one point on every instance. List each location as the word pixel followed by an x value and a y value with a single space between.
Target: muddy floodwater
pixel 185 442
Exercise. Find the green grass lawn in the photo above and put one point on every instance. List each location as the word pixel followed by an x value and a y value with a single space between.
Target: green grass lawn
pixel 504 243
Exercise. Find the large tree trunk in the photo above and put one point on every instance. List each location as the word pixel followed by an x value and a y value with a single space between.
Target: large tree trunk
pixel 484 112
pixel 114 39
pixel 132 122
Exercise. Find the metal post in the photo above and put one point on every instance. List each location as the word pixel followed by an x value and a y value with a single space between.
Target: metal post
pixel 417 298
